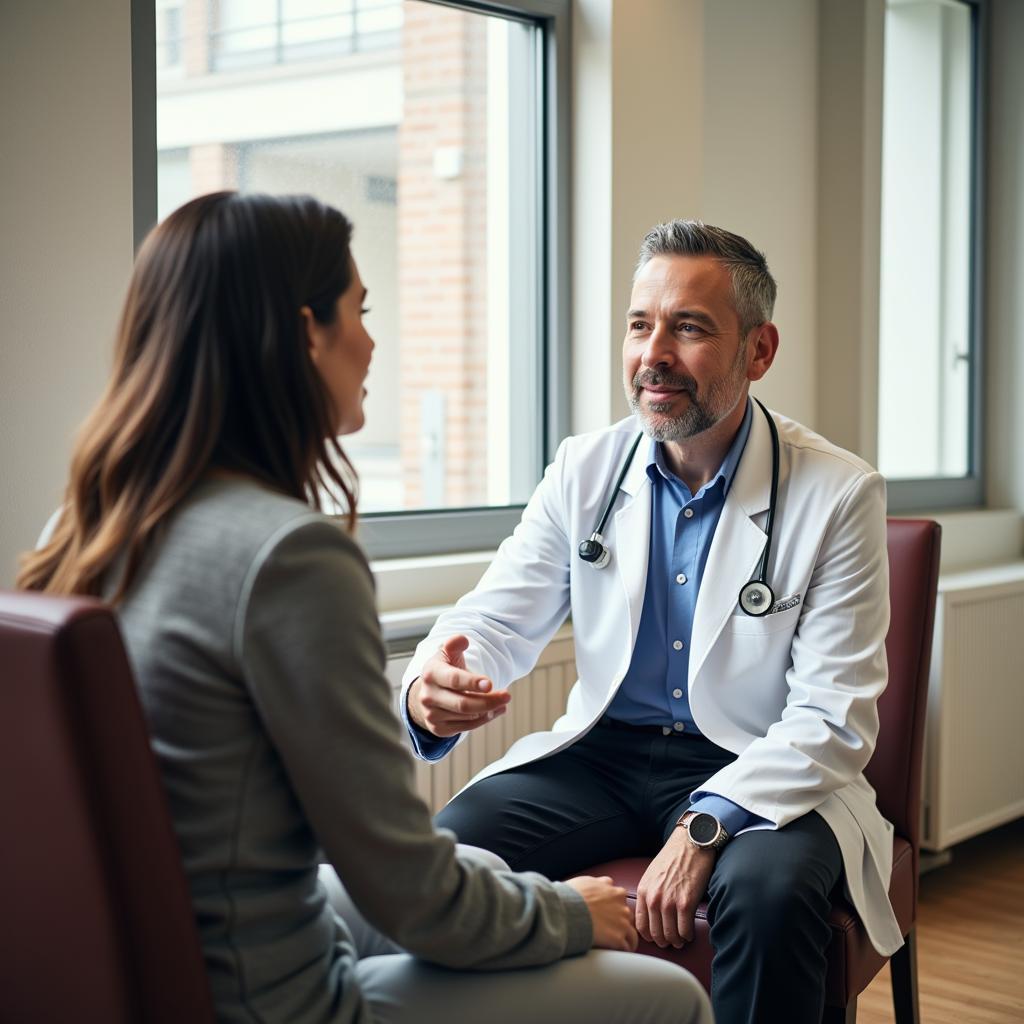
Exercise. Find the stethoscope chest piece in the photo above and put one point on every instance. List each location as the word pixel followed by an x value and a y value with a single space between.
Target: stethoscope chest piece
pixel 594 552
pixel 756 598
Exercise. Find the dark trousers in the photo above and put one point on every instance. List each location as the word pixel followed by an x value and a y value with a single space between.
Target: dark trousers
pixel 618 792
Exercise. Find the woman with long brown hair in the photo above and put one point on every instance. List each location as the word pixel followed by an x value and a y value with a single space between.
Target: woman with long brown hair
pixel 194 507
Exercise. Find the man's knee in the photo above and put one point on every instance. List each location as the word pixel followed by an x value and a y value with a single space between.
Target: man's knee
pixel 756 888
pixel 769 899
pixel 479 817
pixel 546 817
pixel 467 816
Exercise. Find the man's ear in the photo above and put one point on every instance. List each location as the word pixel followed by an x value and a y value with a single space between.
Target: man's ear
pixel 763 346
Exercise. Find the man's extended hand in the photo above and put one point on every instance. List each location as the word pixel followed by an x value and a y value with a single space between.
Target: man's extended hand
pixel 448 699
pixel 673 885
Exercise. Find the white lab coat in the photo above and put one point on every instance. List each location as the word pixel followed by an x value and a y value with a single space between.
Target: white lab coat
pixel 793 694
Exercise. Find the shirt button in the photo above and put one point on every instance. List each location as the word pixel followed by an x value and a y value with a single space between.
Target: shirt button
pixel 677 693
pixel 688 512
pixel 665 731
pixel 678 726
pixel 681 578
pixel 677 645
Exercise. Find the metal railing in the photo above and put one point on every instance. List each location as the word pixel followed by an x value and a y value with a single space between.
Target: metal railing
pixel 356 26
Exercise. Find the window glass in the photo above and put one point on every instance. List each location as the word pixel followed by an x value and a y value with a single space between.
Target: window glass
pixel 420 122
pixel 311 28
pixel 245 32
pixel 926 346
pixel 169 32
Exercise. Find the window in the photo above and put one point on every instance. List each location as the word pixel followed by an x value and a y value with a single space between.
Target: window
pixel 169 36
pixel 929 344
pixel 441 132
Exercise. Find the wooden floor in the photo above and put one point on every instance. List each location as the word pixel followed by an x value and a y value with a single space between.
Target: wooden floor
pixel 970 935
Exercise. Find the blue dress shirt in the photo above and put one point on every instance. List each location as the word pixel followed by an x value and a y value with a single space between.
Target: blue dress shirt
pixel 655 688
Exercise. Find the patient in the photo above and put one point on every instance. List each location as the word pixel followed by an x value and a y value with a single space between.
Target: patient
pixel 194 507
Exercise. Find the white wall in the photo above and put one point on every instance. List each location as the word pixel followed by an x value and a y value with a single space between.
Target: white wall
pixel 693 108
pixel 1004 331
pixel 761 164
pixel 65 239
pixel 850 53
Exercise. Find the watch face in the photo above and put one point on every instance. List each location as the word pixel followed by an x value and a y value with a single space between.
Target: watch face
pixel 703 829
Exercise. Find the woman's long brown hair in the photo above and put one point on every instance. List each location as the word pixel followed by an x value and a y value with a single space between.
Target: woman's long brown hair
pixel 211 370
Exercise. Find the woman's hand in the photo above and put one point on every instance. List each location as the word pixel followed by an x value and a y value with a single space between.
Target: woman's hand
pixel 613 920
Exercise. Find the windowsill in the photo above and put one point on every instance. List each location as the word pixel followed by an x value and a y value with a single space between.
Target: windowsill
pixel 977 537
pixel 402 631
pixel 410 586
pixel 412 592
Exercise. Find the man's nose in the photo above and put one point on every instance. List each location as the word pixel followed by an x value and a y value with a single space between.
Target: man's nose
pixel 660 349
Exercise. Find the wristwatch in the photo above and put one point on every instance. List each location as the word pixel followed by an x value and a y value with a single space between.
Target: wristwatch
pixel 704 830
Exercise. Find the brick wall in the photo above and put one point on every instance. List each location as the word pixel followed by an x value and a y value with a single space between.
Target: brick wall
pixel 442 249
pixel 214 166
pixel 195 18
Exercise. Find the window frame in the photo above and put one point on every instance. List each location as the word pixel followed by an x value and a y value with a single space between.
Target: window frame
pixel 431 532
pixel 937 493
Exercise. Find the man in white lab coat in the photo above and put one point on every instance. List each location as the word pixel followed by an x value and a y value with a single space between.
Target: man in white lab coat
pixel 725 738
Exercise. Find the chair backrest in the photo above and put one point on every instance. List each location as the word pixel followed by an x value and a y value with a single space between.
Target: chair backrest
pixel 97 921
pixel 895 768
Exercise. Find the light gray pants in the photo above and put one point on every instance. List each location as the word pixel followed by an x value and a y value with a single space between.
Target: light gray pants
pixel 602 986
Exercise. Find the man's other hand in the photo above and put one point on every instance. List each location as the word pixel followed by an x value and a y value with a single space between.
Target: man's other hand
pixel 668 894
pixel 448 699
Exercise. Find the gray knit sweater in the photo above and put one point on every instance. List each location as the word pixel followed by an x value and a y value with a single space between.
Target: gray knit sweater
pixel 256 648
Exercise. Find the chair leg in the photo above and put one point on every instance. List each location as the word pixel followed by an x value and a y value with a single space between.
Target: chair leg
pixel 841 1014
pixel 903 968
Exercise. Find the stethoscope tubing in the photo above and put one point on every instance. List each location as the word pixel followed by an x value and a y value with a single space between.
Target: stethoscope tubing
pixel 618 482
pixel 769 526
pixel 756 596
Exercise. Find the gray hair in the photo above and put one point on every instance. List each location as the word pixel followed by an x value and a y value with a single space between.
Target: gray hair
pixel 753 286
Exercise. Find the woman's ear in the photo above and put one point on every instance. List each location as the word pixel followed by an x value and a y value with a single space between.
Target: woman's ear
pixel 314 335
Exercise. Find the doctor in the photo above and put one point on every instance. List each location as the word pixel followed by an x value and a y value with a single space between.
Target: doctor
pixel 724 736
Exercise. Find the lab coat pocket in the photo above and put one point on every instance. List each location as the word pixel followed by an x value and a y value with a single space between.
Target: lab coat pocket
pixel 749 625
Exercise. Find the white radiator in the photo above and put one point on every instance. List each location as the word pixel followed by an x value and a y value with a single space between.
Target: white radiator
pixel 537 700
pixel 974 745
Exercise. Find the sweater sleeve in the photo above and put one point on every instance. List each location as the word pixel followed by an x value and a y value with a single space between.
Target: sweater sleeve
pixel 308 640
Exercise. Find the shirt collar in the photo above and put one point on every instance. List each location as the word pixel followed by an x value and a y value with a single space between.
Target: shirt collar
pixel 656 458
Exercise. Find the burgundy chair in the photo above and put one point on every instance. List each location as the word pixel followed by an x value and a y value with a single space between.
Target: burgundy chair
pixel 895 773
pixel 97 921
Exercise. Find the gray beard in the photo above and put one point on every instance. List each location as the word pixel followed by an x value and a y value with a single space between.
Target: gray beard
pixel 698 416
pixel 695 419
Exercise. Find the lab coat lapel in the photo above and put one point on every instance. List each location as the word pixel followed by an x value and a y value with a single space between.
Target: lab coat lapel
pixel 737 544
pixel 633 540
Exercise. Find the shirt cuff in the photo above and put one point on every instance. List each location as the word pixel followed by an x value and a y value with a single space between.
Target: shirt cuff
pixel 733 817
pixel 427 746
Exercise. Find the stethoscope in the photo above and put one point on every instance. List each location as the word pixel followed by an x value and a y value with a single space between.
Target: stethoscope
pixel 756 597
